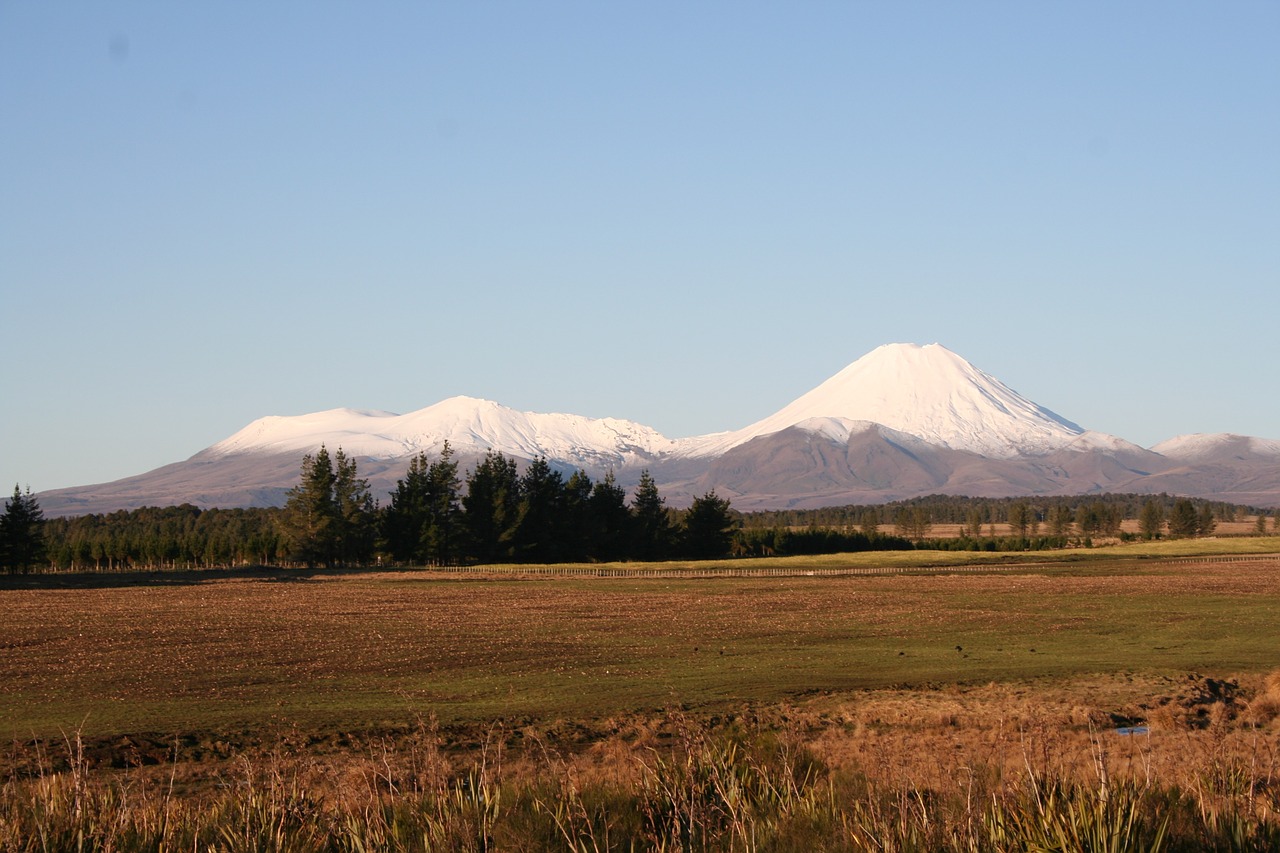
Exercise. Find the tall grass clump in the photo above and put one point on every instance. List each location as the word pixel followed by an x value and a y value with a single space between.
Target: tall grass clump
pixel 727 789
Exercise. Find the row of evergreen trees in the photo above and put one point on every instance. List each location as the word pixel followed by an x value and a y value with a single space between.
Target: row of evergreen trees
pixel 497 515
pixel 959 509
pixel 169 537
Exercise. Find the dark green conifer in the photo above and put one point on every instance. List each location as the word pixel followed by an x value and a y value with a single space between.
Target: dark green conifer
pixel 654 535
pixel 490 508
pixel 611 521
pixel 440 533
pixel 310 519
pixel 407 515
pixel 579 526
pixel 708 528
pixel 354 513
pixel 22 542
pixel 539 530
pixel 1183 520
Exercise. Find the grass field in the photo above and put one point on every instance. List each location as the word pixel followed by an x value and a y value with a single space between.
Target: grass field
pixel 359 650
pixel 952 702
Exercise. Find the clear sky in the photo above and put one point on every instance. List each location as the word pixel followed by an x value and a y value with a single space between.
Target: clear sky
pixel 684 214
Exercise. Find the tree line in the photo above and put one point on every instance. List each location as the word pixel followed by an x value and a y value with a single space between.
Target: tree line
pixel 435 516
pixel 1054 516
pixel 171 537
pixel 497 513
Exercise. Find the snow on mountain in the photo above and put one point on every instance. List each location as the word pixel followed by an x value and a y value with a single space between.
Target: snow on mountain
pixel 1201 445
pixel 358 432
pixel 925 391
pixel 467 423
pixel 1090 440
pixel 841 430
pixel 836 429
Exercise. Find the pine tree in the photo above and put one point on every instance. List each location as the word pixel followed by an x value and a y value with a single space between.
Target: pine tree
pixel 22 543
pixel 921 522
pixel 1060 519
pixel 912 522
pixel 407 515
pixel 1111 516
pixel 1205 523
pixel 440 534
pixel 1151 520
pixel 310 520
pixel 652 528
pixel 869 522
pixel 902 522
pixel 973 525
pixel 354 513
pixel 538 535
pixel 490 508
pixel 708 528
pixel 1088 519
pixel 1019 519
pixel 1183 520
pixel 578 528
pixel 610 520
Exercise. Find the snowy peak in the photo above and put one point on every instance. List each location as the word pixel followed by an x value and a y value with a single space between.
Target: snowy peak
pixel 474 424
pixel 467 423
pixel 1203 445
pixel 358 432
pixel 925 391
pixel 1091 441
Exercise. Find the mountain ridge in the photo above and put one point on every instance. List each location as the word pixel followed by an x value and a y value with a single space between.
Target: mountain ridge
pixel 902 420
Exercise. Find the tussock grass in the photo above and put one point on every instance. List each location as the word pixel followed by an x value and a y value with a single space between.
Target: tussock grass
pixel 999 734
pixel 726 789
pixel 1264 709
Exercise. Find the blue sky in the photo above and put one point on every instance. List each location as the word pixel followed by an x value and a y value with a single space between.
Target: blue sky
pixel 681 214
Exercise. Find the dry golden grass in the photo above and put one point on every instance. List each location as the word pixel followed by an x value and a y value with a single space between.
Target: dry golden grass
pixel 1264 708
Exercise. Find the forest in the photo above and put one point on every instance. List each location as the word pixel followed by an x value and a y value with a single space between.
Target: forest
pixel 496 513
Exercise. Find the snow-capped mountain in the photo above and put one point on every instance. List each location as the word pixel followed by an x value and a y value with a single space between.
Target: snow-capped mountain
pixel 902 420
pixel 468 424
pixel 925 391
pixel 1204 445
